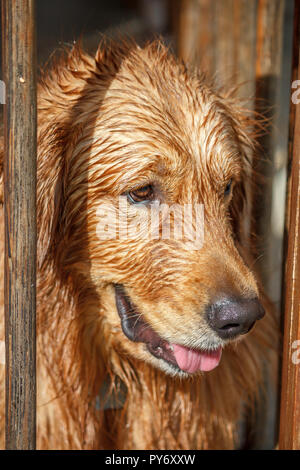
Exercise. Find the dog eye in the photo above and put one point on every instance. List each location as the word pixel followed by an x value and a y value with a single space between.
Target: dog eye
pixel 228 187
pixel 143 194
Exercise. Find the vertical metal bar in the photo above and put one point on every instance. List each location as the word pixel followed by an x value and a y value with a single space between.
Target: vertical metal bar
pixel 19 69
pixel 289 432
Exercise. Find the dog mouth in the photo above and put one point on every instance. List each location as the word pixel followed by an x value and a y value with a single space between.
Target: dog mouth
pixel 180 357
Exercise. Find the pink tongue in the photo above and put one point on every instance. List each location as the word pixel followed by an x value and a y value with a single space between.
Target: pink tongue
pixel 190 360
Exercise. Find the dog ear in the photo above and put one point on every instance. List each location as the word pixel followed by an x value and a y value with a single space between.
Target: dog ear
pixel 61 86
pixel 50 187
pixel 248 126
pixel 240 207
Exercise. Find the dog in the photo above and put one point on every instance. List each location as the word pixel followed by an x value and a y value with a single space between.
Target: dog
pixel 144 341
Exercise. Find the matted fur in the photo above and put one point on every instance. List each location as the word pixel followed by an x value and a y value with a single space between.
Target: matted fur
pixel 105 124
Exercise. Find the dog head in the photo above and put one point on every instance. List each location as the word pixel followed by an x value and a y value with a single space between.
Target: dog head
pixel 148 203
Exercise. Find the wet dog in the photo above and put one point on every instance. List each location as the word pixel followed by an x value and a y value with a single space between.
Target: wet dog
pixel 148 338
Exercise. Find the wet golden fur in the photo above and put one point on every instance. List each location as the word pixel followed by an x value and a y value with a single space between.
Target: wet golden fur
pixel 107 124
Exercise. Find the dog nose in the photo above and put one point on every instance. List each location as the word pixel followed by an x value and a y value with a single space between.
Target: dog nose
pixel 230 317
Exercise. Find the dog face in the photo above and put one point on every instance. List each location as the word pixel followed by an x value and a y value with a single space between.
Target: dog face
pixel 155 142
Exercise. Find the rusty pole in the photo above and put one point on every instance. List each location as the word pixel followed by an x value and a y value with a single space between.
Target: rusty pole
pixel 19 71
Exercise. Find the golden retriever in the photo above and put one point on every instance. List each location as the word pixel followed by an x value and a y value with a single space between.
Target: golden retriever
pixel 146 340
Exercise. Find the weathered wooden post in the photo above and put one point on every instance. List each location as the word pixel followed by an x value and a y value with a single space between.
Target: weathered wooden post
pixel 19 71
pixel 268 68
pixel 289 433
pixel 219 38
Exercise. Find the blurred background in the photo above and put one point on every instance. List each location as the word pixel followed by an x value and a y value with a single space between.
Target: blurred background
pixel 246 42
